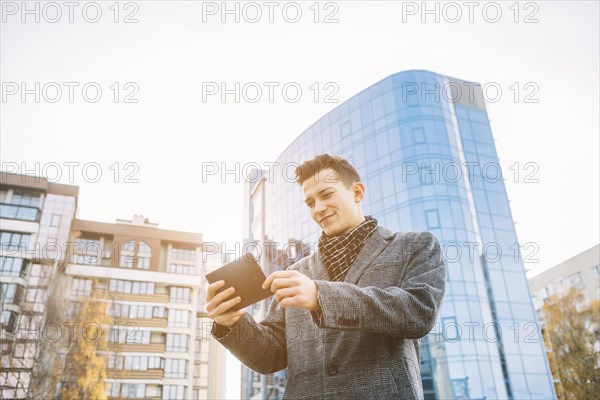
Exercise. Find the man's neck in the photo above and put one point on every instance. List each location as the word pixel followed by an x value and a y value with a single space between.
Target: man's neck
pixel 360 221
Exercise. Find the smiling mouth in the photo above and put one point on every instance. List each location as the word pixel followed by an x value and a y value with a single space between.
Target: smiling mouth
pixel 326 218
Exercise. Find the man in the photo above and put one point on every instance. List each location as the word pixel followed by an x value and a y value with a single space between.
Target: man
pixel 347 320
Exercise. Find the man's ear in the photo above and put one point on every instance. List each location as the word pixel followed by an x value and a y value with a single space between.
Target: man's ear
pixel 359 191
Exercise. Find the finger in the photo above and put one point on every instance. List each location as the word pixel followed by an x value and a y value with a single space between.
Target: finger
pixel 290 301
pixel 229 318
pixel 217 309
pixel 267 283
pixel 277 274
pixel 229 314
pixel 219 298
pixel 281 283
pixel 223 307
pixel 284 293
pixel 212 288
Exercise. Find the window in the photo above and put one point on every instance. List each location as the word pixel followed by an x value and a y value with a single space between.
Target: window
pixel 596 270
pixel 12 266
pixel 138 363
pixel 129 335
pixel 73 309
pixel 133 389
pixel 156 363
pixel 142 288
pixel 432 218
pixel 418 135
pixel 115 362
pixel 179 318
pixel 55 220
pixel 83 243
pixel 175 368
pixel 173 392
pixel 460 388
pixel 113 389
pixel 22 213
pixel 115 310
pixel 177 342
pixel 429 174
pixel 121 286
pixel 450 329
pixel 159 312
pixel 143 263
pixel 183 254
pixel 81 287
pixel 179 295
pixel 88 251
pixel 8 320
pixel 541 294
pixel 14 241
pixel 182 269
pixel 574 280
pixel 144 247
pixel 127 254
pixel 131 311
pixel 345 128
pixel 126 390
pixel 144 255
pixel 85 259
pixel 143 312
pixel 11 293
pixel 25 199
pixel 140 258
pixel 35 295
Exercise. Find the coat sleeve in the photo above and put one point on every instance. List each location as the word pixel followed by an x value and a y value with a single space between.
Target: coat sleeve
pixel 259 346
pixel 407 310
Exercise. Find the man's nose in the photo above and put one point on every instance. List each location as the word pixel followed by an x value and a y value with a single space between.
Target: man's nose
pixel 320 206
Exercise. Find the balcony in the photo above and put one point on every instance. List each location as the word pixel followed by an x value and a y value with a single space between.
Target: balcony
pixel 133 398
pixel 153 298
pixel 138 347
pixel 21 213
pixel 135 374
pixel 144 322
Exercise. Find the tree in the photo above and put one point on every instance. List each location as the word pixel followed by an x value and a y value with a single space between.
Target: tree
pixel 84 375
pixel 48 364
pixel 573 329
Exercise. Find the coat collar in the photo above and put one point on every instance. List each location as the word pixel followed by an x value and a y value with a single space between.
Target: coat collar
pixel 374 245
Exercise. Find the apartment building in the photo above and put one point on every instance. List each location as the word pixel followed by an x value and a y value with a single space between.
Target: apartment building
pixel 582 271
pixel 151 280
pixel 35 215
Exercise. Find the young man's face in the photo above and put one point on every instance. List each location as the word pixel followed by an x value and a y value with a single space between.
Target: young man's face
pixel 333 206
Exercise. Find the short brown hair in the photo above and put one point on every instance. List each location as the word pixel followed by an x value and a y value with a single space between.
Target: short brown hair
pixel 343 169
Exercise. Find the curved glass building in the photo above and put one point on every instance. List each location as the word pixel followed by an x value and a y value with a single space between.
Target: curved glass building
pixel 423 146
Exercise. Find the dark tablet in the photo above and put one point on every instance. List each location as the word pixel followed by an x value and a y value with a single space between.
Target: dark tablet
pixel 245 275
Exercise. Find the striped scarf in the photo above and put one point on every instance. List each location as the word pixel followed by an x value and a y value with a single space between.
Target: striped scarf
pixel 339 252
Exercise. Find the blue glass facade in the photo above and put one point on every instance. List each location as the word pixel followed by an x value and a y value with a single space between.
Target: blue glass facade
pixel 423 146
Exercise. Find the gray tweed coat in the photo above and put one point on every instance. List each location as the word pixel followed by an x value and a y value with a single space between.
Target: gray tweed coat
pixel 365 343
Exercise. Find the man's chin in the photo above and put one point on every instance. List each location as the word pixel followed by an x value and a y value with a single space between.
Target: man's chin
pixel 331 232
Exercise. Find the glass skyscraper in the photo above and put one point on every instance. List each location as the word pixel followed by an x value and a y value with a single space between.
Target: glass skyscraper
pixel 423 146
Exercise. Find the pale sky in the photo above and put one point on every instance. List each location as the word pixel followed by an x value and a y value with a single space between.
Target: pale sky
pixel 170 132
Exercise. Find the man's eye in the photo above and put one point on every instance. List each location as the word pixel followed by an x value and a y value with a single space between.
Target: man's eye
pixel 328 194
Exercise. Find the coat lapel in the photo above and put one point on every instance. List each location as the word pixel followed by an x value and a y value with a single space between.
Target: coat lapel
pixel 370 250
pixel 317 268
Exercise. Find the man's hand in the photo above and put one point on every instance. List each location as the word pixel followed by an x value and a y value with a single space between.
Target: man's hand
pixel 292 288
pixel 217 308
